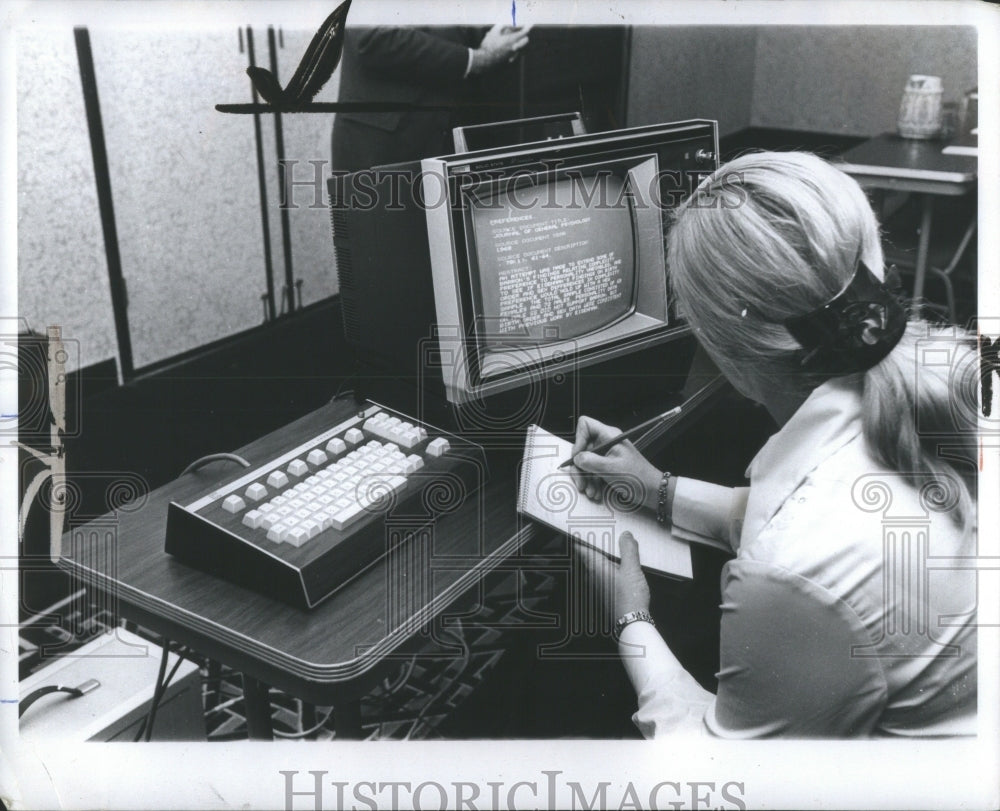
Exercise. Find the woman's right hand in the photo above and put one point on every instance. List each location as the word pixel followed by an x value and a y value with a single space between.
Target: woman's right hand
pixel 622 466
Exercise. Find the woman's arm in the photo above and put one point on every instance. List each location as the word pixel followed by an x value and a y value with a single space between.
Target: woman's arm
pixel 697 510
pixel 702 510
pixel 792 661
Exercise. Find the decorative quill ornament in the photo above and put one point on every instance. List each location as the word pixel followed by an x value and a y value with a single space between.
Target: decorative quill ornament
pixel 317 66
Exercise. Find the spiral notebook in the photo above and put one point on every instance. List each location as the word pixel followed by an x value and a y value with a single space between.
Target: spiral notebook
pixel 549 495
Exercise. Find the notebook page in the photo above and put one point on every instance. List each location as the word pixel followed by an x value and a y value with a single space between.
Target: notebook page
pixel 548 494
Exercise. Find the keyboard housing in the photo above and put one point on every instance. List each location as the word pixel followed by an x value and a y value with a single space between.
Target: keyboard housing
pixel 203 534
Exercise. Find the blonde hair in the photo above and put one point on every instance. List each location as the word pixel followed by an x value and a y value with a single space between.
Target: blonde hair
pixel 775 235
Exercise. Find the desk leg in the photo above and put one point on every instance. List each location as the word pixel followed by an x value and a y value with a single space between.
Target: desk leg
pixel 258 708
pixel 923 249
pixel 347 719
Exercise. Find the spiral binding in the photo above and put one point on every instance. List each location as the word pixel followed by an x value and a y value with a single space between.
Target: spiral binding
pixel 529 455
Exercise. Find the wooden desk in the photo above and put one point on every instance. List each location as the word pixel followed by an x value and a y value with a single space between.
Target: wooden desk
pixel 900 164
pixel 324 656
pixel 331 654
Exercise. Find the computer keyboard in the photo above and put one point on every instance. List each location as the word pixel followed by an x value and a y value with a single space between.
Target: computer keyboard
pixel 313 516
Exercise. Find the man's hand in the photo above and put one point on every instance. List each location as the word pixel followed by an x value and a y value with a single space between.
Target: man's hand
pixel 499 46
pixel 631 591
pixel 621 466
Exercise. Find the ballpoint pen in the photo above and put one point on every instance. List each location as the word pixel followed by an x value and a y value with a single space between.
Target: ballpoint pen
pixel 638 430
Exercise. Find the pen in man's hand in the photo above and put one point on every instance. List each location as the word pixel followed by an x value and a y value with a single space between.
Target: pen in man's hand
pixel 638 430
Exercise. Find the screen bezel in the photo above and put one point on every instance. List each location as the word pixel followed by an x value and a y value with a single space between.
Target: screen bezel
pixel 686 149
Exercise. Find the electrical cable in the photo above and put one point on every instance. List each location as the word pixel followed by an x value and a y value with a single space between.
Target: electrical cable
pixel 152 707
pixel 73 692
pixel 215 457
pixel 181 655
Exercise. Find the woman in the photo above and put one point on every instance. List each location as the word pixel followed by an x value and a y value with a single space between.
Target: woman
pixel 834 622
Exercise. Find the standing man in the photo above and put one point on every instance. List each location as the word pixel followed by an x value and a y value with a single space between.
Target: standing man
pixel 430 66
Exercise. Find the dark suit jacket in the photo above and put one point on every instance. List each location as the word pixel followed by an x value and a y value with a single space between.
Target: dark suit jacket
pixel 409 65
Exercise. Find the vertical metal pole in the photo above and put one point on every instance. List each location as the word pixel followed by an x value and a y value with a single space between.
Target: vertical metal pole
pixel 262 186
pixel 279 143
pixel 102 176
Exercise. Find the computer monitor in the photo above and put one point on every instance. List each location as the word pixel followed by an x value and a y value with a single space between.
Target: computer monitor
pixel 517 131
pixel 492 273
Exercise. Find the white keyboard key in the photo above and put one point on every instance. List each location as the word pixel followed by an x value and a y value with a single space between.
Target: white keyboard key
pixel 413 464
pixel 253 518
pixel 316 457
pixel 335 446
pixel 393 421
pixel 410 438
pixel 277 532
pixel 325 499
pixel 353 436
pixel 233 504
pixel 396 467
pixel 303 514
pixel 422 433
pixel 277 479
pixel 396 483
pixel 324 519
pixel 285 510
pixel 269 520
pixel 256 491
pixel 297 467
pixel 347 516
pixel 312 527
pixel 307 497
pixel 266 506
pixel 438 447
pixel 296 536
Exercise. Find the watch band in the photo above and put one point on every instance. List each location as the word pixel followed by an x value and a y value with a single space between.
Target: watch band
pixel 627 619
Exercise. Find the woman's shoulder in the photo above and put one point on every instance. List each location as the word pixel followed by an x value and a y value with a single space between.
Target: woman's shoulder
pixel 842 509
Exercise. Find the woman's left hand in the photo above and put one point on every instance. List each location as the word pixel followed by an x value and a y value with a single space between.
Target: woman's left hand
pixel 631 591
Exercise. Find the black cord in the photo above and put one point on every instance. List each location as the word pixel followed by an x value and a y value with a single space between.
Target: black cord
pixel 151 715
pixel 215 457
pixel 157 699
pixel 44 691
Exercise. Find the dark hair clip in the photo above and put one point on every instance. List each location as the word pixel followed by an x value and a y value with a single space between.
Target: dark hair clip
pixel 854 330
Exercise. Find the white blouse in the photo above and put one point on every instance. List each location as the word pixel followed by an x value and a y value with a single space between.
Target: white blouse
pixel 840 614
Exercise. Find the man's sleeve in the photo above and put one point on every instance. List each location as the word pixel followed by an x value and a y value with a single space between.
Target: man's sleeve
pixel 412 54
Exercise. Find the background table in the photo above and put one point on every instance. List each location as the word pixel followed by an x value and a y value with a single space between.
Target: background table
pixel 893 163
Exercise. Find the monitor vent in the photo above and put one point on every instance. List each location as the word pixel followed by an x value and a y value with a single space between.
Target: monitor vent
pixel 345 275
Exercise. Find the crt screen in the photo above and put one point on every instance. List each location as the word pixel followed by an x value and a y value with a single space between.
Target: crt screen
pixel 553 264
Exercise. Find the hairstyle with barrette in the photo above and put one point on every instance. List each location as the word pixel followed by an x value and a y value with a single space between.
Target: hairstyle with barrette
pixel 776 262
